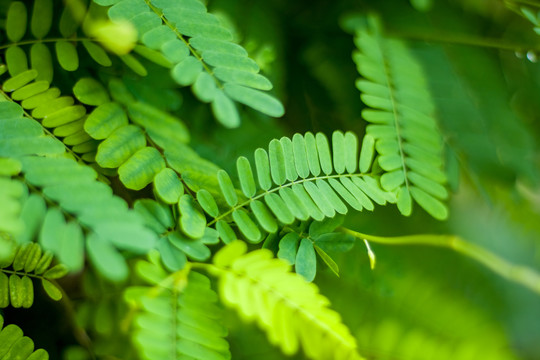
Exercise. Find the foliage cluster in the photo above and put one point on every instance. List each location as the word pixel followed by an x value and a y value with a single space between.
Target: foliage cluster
pixel 214 179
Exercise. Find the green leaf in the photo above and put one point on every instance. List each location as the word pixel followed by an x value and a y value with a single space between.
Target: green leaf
pixel 224 110
pixel 318 228
pixel 16 60
pixel 307 202
pixel 264 216
pixel 97 53
pixel 290 169
pixel 168 186
pixel 154 56
pixel 158 36
pixel 207 202
pixel 34 255
pixel 242 77
pixel 211 236
pixel 156 216
pixel 104 120
pixel 331 196
pixel 351 151
pixel 56 272
pixel 119 146
pixel 52 107
pixel 4 290
pixel 67 55
pixel 288 247
pixel 174 50
pixel 320 200
pixel 173 258
pixel 53 224
pixel 27 290
pixel 227 188
pixel 41 60
pixel 312 154
pixel 90 92
pixel 141 168
pixel 231 61
pixel 64 116
pixel 279 208
pixel 346 194
pixel 226 233
pixel 323 149
pixel 192 219
pixel 255 99
pixel 429 186
pixel 392 180
pixel 277 162
pixel 51 289
pixel 37 100
pixel 9 167
pixel 15 291
pixel 68 24
pixel 327 260
pixel 204 87
pixel 295 205
pixel 263 169
pixel 247 226
pixel 433 206
pixel 366 154
pixel 195 249
pixel 187 71
pixel 339 151
pixel 19 80
pixel 107 260
pixel 339 242
pixel 16 21
pixel 208 44
pixel 30 90
pixel 300 156
pixel 160 125
pixel 134 64
pixel 42 15
pixel 71 247
pixel 245 175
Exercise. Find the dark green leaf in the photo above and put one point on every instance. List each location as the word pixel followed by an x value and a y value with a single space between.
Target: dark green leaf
pixel 306 260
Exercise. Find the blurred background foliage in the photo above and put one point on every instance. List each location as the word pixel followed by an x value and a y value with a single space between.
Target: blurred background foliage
pixel 479 57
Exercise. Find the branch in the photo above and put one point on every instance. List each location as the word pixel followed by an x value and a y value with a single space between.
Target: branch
pixel 517 273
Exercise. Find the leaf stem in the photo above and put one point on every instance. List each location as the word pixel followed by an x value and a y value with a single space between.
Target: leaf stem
pixel 465 40
pixel 517 273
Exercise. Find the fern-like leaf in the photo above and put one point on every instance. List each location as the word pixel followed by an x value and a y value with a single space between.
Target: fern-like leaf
pixel 299 245
pixel 289 309
pixel 39 55
pixel 74 188
pixel 403 125
pixel 12 192
pixel 202 55
pixel 296 179
pixel 178 316
pixel 18 266
pixel 15 346
pixel 59 115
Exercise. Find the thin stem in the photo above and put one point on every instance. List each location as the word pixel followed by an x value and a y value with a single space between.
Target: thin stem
pixel 465 40
pixel 277 188
pixel 517 273
pixel 50 40
pixel 80 333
